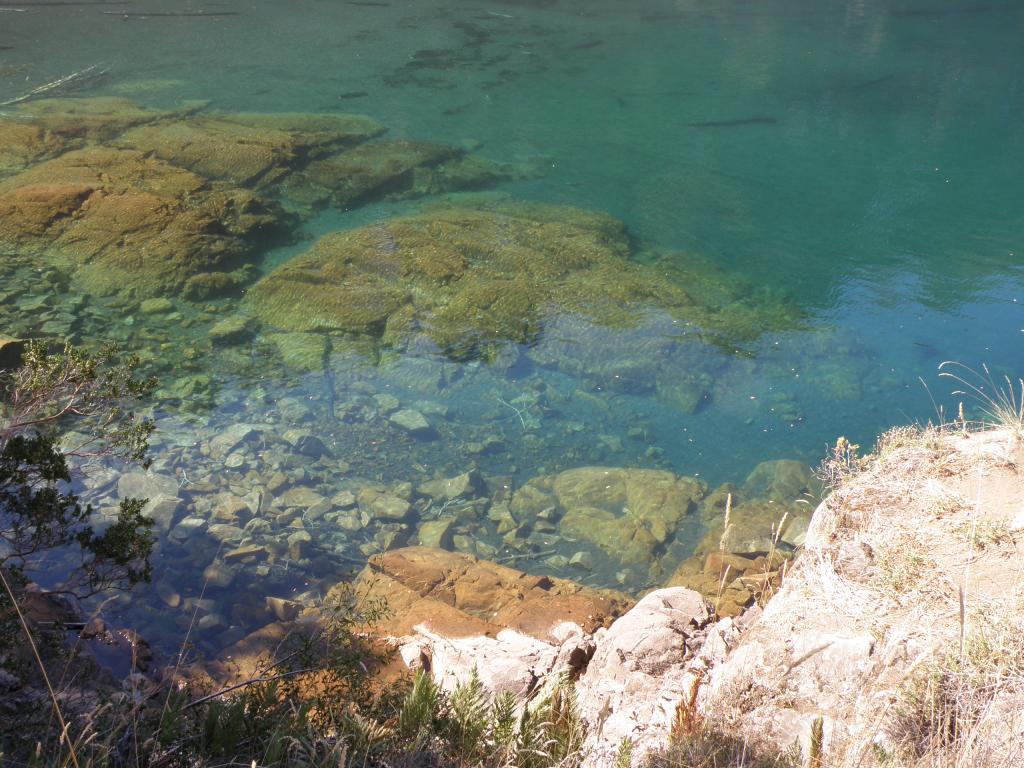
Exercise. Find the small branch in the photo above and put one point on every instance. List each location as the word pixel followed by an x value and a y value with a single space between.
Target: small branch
pixel 55 86
pixel 519 413
pixel 246 683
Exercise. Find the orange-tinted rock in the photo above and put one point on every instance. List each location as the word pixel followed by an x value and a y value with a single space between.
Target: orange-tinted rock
pixel 125 221
pixel 22 144
pixel 457 595
pixel 98 119
pixel 249 149
pixel 730 581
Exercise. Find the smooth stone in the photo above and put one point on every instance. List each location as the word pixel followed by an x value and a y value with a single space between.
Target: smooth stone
pixel 253 551
pixel 436 533
pixel 465 485
pixel 386 403
pixel 298 545
pixel 228 440
pixel 187 528
pixel 283 609
pixel 157 306
pixel 211 621
pixel 582 559
pixel 168 594
pixel 146 485
pixel 387 506
pixel 232 330
pixel 299 497
pixel 413 422
pixel 162 510
pixel 344 499
pixel 226 533
pixel 306 443
pixel 217 574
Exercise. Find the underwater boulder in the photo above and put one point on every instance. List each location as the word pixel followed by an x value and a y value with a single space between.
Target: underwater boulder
pixel 22 144
pixel 469 279
pixel 630 514
pixel 250 149
pixel 93 120
pixel 124 221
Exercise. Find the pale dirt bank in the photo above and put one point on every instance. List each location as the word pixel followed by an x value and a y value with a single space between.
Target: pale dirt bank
pixel 900 625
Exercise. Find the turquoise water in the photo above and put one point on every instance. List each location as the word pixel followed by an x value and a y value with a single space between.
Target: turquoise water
pixel 858 161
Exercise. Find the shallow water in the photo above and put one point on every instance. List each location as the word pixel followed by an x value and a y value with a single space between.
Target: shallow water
pixel 859 162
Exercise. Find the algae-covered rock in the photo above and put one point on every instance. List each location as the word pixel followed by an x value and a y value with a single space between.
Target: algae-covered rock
pixel 374 170
pixel 783 481
pixel 467 278
pixel 395 169
pixel 96 119
pixel 631 514
pixel 126 221
pixel 249 149
pixel 474 279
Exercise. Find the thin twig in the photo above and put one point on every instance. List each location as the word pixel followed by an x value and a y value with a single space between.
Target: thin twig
pixel 57 85
pixel 243 684
pixel 519 413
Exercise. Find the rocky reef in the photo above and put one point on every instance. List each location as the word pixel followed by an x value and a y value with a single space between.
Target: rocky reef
pixel 473 280
pixel 184 202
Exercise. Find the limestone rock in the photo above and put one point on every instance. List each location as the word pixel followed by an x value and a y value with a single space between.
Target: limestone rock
pixel 638 674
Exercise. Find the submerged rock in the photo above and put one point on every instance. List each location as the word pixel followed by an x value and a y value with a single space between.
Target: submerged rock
pixel 44 128
pixel 250 149
pixel 630 514
pixel 125 221
pixel 471 280
pixel 413 422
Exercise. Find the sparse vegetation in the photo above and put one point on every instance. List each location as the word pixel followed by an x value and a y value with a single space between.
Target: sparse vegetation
pixel 962 709
pixel 1000 403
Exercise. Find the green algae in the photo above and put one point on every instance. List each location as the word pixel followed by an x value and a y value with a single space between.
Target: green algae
pixel 472 279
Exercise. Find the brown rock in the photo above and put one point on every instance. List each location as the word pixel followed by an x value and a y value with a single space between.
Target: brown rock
pixel 127 221
pixel 458 595
pixel 249 149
